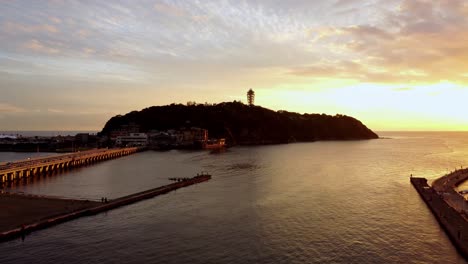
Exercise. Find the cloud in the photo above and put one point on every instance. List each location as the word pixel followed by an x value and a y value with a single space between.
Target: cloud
pixel 131 52
pixel 382 46
pixel 55 20
pixel 6 108
pixel 340 3
pixel 402 89
pixel 324 32
pixel 55 111
pixel 15 28
pixel 83 33
pixel 170 9
pixel 37 46
pixel 88 52
pixel 340 69
pixel 420 41
pixel 366 32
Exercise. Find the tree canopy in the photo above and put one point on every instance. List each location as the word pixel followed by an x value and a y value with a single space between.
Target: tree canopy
pixel 242 124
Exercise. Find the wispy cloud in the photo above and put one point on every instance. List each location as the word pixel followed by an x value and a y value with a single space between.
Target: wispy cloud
pixel 37 46
pixel 419 41
pixel 6 108
pixel 55 111
pixel 16 28
pixel 55 20
pixel 170 9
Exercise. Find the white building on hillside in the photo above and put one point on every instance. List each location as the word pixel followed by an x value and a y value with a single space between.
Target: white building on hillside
pixel 132 140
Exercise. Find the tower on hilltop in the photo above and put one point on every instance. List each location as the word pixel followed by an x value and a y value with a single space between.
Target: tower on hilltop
pixel 250 97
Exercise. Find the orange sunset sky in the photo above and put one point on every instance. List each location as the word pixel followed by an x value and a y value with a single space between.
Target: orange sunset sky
pixel 395 65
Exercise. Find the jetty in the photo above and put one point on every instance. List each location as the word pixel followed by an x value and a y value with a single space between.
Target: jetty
pixel 11 172
pixel 447 205
pixel 87 208
pixel 179 179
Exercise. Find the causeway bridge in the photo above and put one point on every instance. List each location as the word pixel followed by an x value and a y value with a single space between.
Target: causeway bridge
pixel 15 171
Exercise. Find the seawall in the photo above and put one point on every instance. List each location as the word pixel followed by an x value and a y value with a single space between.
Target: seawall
pixel 112 204
pixel 453 222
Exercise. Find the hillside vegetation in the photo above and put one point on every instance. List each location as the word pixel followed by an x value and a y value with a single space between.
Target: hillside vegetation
pixel 243 124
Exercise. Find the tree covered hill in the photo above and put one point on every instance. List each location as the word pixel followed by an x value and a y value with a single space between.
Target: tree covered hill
pixel 243 124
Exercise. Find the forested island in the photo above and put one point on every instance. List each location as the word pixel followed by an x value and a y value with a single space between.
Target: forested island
pixel 242 124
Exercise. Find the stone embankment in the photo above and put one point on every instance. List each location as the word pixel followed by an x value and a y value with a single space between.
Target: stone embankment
pixel 439 199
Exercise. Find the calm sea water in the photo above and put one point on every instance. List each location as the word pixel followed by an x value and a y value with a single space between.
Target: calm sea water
pixel 322 202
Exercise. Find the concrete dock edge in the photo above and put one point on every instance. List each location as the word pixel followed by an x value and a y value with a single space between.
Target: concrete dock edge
pixel 453 222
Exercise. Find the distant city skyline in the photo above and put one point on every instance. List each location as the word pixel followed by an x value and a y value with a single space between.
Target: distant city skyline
pixel 393 64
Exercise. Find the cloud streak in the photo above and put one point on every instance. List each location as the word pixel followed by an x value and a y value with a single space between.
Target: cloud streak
pixel 39 47
pixel 6 108
pixel 419 41
pixel 15 28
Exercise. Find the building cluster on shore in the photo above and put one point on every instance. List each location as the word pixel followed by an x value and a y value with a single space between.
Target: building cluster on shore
pixel 183 138
pixel 126 136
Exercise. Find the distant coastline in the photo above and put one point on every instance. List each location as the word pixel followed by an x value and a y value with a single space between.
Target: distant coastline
pixel 47 141
pixel 45 133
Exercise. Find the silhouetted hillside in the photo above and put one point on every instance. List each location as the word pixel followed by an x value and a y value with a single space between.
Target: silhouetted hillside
pixel 242 124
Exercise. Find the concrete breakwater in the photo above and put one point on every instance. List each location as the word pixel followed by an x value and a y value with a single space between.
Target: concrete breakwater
pixel 103 207
pixel 20 170
pixel 454 222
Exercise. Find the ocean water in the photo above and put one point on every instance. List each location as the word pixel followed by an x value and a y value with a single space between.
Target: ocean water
pixel 320 202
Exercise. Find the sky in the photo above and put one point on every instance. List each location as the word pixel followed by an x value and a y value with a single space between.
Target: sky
pixel 393 64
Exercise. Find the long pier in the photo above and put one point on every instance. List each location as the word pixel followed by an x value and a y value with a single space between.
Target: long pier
pixel 448 206
pixel 15 171
pixel 103 207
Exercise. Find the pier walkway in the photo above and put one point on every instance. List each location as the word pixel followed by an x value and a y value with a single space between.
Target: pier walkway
pixel 446 187
pixel 15 171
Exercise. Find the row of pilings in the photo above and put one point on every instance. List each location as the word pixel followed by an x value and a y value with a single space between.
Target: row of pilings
pixel 21 171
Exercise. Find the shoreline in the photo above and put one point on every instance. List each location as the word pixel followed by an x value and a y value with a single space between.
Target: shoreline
pixel 244 143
